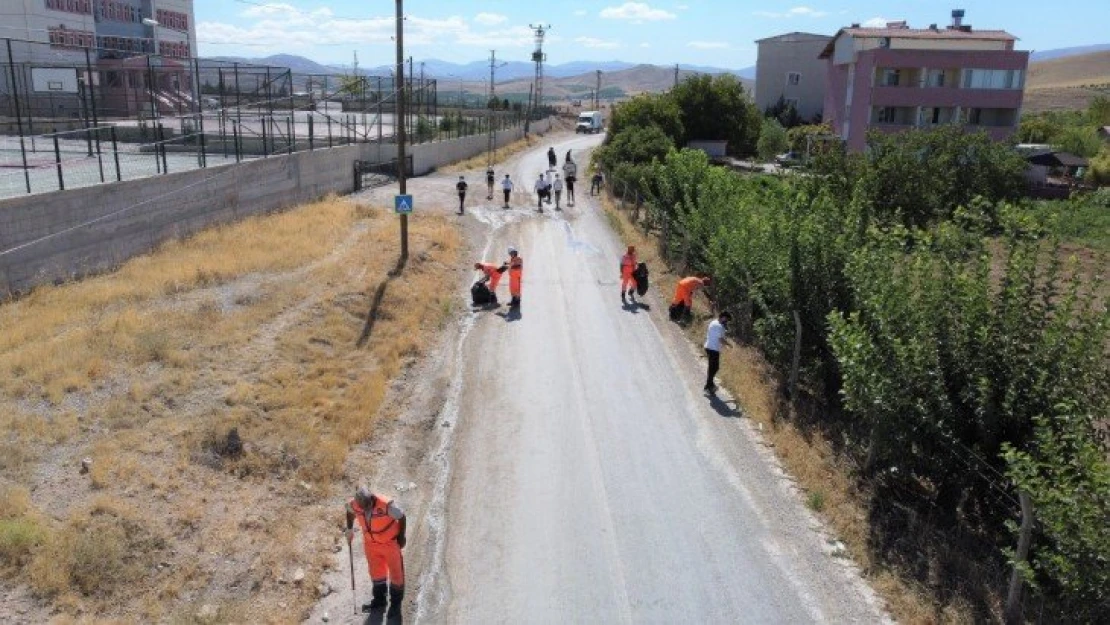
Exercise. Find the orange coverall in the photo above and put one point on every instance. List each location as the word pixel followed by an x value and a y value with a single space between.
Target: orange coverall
pixel 628 265
pixel 516 272
pixel 494 276
pixel 379 541
pixel 685 291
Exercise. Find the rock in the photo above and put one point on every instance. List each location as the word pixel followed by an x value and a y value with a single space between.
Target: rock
pixel 208 613
pixel 326 617
pixel 306 486
pixel 324 589
pixel 86 463
pixel 298 575
pixel 337 548
pixel 283 605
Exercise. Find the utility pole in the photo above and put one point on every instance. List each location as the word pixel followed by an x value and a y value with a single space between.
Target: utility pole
pixel 597 92
pixel 490 142
pixel 399 129
pixel 676 74
pixel 538 57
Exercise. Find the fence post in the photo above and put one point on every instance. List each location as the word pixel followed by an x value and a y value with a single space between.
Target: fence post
pixel 290 134
pixel 265 147
pixel 311 140
pixel 796 362
pixel 58 162
pixel 162 144
pixel 115 155
pixel 235 137
pixel 327 116
pixel 1013 614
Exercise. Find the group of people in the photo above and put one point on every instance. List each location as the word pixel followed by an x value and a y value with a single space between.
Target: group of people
pixel 548 187
pixel 491 277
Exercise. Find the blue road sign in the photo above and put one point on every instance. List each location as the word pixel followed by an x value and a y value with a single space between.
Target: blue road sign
pixel 402 204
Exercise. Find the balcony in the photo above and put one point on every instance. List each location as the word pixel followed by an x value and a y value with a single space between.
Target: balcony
pixel 946 97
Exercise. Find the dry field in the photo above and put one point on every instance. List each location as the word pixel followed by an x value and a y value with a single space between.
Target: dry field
pixel 1067 84
pixel 830 489
pixel 259 327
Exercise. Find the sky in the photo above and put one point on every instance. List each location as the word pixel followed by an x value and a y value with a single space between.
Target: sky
pixel 719 33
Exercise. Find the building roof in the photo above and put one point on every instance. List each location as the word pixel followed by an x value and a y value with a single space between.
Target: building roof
pixel 1056 159
pixel 795 36
pixel 919 33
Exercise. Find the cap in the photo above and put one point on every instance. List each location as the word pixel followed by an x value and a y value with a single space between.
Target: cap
pixel 460 177
pixel 512 250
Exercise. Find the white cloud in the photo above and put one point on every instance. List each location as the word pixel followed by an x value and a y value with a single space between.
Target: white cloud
pixel 593 42
pixel 708 45
pixel 580 12
pixel 876 22
pixel 636 12
pixel 490 19
pixel 800 11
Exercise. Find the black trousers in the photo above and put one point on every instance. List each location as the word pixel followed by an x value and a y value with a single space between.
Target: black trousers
pixel 507 193
pixel 462 198
pixel 714 357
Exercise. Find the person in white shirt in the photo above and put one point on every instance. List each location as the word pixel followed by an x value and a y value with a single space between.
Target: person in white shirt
pixel 714 340
pixel 541 190
pixel 507 188
pixel 570 174
pixel 557 187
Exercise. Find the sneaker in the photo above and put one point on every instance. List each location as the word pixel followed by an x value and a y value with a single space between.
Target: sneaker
pixel 712 388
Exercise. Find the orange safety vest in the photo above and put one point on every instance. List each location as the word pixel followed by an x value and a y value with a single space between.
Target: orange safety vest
pixel 377 526
pixel 489 269
pixel 628 264
pixel 516 265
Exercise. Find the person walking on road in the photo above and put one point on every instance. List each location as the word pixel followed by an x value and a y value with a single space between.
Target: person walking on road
pixel 557 187
pixel 683 300
pixel 490 179
pixel 595 183
pixel 383 525
pixel 515 266
pixel 541 190
pixel 552 159
pixel 628 281
pixel 461 188
pixel 714 340
pixel 570 174
pixel 507 189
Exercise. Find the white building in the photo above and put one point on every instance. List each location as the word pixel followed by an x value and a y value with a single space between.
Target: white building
pixel 788 67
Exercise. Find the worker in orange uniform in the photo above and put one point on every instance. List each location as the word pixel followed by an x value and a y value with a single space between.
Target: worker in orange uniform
pixel 383 537
pixel 492 276
pixel 628 265
pixel 684 295
pixel 515 266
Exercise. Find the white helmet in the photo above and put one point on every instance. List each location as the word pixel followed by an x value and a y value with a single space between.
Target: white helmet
pixel 512 250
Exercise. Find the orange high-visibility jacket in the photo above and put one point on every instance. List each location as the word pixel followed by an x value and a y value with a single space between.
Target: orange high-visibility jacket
pixel 628 265
pixel 685 291
pixel 491 272
pixel 516 272
pixel 377 524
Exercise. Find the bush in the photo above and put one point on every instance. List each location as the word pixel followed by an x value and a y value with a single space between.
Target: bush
pixel 716 107
pixel 18 538
pixel 772 140
pixel 1098 171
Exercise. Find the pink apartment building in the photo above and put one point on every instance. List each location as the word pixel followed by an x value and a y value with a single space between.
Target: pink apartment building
pixel 895 78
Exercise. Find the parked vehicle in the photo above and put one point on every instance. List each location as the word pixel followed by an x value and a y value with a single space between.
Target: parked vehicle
pixel 589 122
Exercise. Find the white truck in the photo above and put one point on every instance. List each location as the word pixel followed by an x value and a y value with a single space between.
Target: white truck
pixel 589 122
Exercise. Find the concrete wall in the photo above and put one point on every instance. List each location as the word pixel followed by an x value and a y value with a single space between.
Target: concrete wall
pixel 65 234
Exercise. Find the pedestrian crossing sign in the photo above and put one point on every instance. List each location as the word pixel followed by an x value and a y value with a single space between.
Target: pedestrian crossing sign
pixel 402 204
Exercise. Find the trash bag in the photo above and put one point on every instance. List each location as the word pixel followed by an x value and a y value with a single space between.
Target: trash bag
pixel 678 311
pixel 480 294
pixel 640 274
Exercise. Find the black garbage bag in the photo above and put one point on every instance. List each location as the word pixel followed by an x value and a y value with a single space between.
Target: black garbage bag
pixel 678 311
pixel 640 275
pixel 480 294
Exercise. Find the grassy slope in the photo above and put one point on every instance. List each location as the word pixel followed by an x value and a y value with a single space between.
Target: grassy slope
pixel 255 326
pixel 1068 83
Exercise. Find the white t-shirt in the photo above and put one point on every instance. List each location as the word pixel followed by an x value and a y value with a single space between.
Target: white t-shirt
pixel 714 335
pixel 507 184
pixel 558 184
pixel 541 184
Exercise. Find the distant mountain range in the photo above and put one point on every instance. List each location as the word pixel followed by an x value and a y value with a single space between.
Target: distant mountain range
pixel 474 71
pixel 1059 53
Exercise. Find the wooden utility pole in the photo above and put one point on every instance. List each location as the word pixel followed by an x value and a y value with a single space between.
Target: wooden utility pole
pixel 597 92
pixel 676 74
pixel 399 124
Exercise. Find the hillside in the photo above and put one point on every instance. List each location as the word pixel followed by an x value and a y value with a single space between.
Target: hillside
pixel 618 84
pixel 1067 83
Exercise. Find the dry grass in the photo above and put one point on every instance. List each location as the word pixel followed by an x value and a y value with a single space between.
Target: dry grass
pixel 1080 70
pixel 258 326
pixel 810 459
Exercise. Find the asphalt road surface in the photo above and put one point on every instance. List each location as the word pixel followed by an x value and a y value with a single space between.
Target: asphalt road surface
pixel 591 479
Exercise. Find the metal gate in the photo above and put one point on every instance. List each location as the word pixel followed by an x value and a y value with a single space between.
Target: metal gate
pixel 370 174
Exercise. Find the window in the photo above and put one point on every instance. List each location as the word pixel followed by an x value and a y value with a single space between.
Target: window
pixel 935 78
pixel 83 7
pixel 891 77
pixel 974 116
pixel 793 78
pixel 993 78
pixel 885 115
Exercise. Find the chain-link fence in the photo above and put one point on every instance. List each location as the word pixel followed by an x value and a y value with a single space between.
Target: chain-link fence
pixel 92 116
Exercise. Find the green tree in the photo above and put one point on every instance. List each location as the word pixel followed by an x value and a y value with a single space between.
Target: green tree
pixel 772 140
pixel 717 108
pixel 1037 129
pixel 1098 113
pixel 1079 140
pixel 636 146
pixel 645 110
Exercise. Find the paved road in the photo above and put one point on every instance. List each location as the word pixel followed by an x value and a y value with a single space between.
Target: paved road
pixel 592 481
